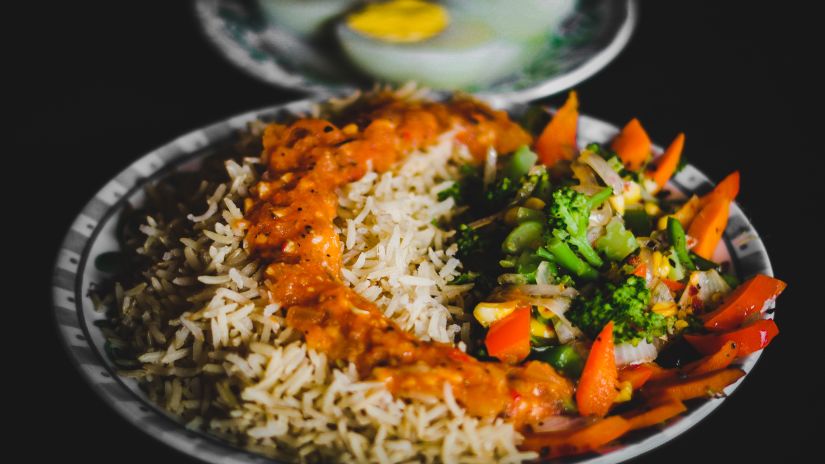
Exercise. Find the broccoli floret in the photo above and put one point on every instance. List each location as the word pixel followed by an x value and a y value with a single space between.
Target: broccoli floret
pixel 626 305
pixel 469 241
pixel 454 191
pixel 569 216
pixel 500 193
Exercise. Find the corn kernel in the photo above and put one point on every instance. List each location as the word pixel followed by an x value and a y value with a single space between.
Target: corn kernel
pixel 680 325
pixel 350 129
pixel 617 202
pixel 534 203
pixel 511 216
pixel 664 308
pixel 486 313
pixel 632 192
pixel 661 265
pixel 662 223
pixel 652 208
pixel 625 392
pixel 540 329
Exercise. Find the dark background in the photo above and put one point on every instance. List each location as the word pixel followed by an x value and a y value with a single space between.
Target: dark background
pixel 98 85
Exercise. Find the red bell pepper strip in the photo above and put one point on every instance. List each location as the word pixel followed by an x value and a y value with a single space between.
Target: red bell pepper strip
pixel 597 385
pixel 637 375
pixel 747 299
pixel 577 441
pixel 748 339
pixel 509 339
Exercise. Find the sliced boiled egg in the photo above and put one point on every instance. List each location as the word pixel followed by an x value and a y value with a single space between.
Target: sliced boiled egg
pixel 415 40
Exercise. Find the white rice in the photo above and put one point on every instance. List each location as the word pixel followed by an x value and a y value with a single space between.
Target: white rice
pixel 216 353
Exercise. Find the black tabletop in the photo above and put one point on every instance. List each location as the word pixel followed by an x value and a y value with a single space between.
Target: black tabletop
pixel 100 85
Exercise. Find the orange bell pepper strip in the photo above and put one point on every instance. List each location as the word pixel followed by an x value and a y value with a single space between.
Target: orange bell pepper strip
pixel 748 339
pixel 668 162
pixel 719 360
pixel 632 145
pixel 557 141
pixel 637 375
pixel 509 339
pixel 747 299
pixel 727 188
pixel 695 386
pixel 597 385
pixel 653 414
pixel 578 441
pixel 709 225
pixel 640 270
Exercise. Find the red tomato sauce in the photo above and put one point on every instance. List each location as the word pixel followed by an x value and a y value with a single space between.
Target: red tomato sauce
pixel 291 213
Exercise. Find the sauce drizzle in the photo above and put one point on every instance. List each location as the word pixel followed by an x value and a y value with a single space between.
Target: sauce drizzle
pixel 291 213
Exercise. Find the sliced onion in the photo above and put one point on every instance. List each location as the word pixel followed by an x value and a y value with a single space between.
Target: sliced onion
pixel 559 423
pixel 660 294
pixel 542 274
pixel 585 176
pixel 710 287
pixel 558 305
pixel 610 177
pixel 548 290
pixel 601 215
pixel 565 331
pixel 490 167
pixel 627 354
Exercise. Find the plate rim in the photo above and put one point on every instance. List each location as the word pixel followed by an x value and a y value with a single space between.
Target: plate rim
pixel 163 427
pixel 265 71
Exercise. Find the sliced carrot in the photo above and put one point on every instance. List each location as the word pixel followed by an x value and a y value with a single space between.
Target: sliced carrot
pixel 557 141
pixel 727 188
pixel 687 212
pixel 632 145
pixel 695 386
pixel 674 285
pixel 654 414
pixel 509 339
pixel 597 385
pixel 668 162
pixel 719 360
pixel 709 225
pixel 748 298
pixel 578 441
pixel 637 375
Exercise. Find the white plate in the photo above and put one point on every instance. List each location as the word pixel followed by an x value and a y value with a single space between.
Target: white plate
pixel 92 233
pixel 587 41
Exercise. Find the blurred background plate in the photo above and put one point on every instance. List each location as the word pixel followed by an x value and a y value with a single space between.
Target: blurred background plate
pixel 589 38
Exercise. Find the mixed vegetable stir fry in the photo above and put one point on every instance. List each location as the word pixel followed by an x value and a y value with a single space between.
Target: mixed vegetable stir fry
pixel 582 259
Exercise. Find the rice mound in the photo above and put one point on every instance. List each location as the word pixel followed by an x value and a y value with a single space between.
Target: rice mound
pixel 214 352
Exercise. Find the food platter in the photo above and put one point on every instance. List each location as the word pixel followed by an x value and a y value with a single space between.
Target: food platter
pixel 593 35
pixel 77 271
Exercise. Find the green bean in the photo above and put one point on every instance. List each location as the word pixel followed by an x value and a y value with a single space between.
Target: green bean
pixel 520 163
pixel 678 240
pixel 565 257
pixel 525 235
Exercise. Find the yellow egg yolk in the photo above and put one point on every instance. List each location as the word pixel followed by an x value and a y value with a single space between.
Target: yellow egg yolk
pixel 400 21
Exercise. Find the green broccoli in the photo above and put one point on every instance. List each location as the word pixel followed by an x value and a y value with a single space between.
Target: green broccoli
pixel 569 216
pixel 626 304
pixel 469 241
pixel 454 191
